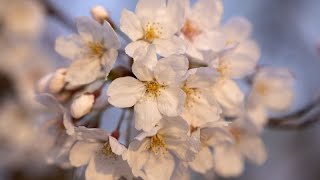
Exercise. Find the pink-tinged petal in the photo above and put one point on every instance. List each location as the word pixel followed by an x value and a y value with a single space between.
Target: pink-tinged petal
pixel 203 161
pixel 237 29
pixel 228 162
pixel 253 148
pixel 125 92
pixel 147 8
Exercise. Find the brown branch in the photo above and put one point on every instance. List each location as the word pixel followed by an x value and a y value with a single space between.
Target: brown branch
pixel 301 119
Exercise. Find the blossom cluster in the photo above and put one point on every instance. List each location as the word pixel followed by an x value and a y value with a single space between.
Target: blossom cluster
pixel 182 87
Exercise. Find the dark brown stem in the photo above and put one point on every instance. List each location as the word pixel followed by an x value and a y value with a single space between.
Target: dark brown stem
pixel 301 119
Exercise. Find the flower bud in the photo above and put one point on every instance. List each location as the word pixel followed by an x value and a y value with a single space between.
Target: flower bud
pixel 57 81
pixel 99 13
pixel 82 105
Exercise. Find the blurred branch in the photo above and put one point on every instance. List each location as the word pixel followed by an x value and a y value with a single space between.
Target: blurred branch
pixel 54 12
pixel 301 119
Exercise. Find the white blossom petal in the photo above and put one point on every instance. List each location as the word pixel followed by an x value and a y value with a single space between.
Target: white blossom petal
pixel 237 29
pixel 110 38
pixel 131 25
pixel 171 101
pixel 108 59
pixel 253 148
pixel 146 113
pixel 171 70
pixel 132 47
pixel 116 147
pixel 81 153
pixel 69 47
pixel 203 161
pixel 167 47
pixel 125 92
pixel 83 72
pixel 228 161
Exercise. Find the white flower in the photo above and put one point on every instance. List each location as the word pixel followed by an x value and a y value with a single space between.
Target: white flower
pixel 52 104
pixel 155 92
pixel 229 96
pixel 94 51
pixel 241 54
pixel 154 22
pixel 200 106
pixel 151 155
pixel 101 152
pixel 273 87
pixel 209 136
pixel 200 27
pixel 229 157
pixel 57 132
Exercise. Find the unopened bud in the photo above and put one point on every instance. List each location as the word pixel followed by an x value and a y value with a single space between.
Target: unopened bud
pixel 82 105
pixel 57 81
pixel 99 13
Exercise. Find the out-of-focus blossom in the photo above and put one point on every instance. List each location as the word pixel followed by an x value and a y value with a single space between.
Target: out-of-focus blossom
pixel 201 27
pixel 200 107
pixel 151 155
pixel 156 90
pixel 82 105
pixel 94 51
pixel 154 22
pixel 102 153
pixel 229 157
pixel 21 19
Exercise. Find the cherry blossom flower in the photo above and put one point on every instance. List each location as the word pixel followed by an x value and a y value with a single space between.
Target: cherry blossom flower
pixel 200 106
pixel 229 157
pixel 93 51
pixel 154 22
pixel 151 155
pixel 210 136
pixel 101 152
pixel 155 92
pixel 200 29
pixel 241 53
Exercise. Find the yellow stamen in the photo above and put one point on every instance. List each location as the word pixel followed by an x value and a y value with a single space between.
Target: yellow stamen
pixel 223 69
pixel 107 151
pixel 96 49
pixel 152 32
pixel 153 88
pixel 191 95
pixel 261 88
pixel 236 133
pixel 158 144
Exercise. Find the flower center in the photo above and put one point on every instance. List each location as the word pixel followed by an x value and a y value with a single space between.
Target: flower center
pixel 152 31
pixel 190 31
pixel 236 133
pixel 192 94
pixel 96 49
pixel 158 144
pixel 153 88
pixel 107 151
pixel 223 68
pixel 261 88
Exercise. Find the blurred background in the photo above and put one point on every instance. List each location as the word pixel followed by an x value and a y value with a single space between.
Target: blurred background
pixel 288 32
